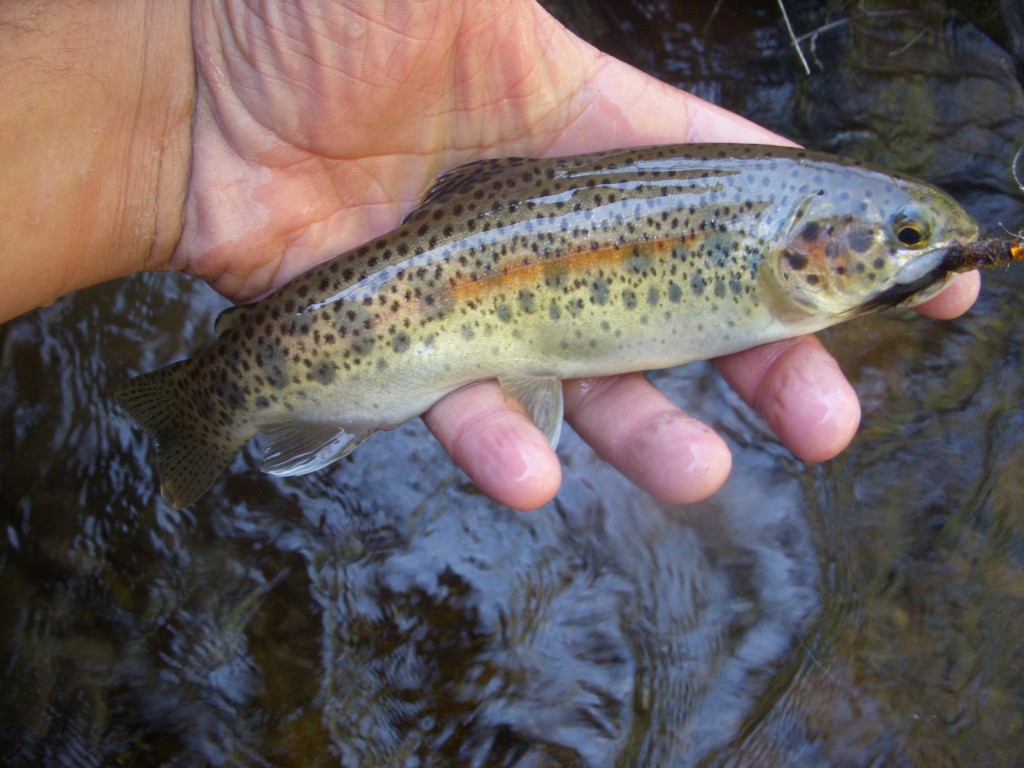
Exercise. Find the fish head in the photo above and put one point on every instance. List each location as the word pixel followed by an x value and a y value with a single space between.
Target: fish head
pixel 879 243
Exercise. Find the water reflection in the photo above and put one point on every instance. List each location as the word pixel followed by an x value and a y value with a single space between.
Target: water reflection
pixel 867 611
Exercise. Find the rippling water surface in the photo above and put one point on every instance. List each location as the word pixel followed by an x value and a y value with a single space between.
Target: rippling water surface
pixel 868 611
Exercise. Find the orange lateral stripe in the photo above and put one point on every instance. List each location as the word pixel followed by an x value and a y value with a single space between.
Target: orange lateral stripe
pixel 515 273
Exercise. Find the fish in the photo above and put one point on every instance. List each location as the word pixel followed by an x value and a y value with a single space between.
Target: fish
pixel 532 271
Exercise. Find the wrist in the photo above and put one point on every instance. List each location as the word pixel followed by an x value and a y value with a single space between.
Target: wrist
pixel 95 103
pixel 159 158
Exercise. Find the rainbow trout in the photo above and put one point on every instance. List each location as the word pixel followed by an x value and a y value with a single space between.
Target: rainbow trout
pixel 533 271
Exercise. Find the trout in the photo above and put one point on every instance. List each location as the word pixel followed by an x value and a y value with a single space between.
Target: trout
pixel 532 271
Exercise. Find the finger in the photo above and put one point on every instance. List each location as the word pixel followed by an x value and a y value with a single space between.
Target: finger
pixel 497 445
pixel 710 122
pixel 634 427
pixel 799 390
pixel 618 105
pixel 955 299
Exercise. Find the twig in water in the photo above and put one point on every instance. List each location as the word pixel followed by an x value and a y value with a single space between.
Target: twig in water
pixel 711 18
pixel 1018 235
pixel 911 42
pixel 1015 165
pixel 812 37
pixel 792 37
pixel 810 654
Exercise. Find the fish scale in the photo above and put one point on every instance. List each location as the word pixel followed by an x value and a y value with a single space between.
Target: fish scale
pixel 532 271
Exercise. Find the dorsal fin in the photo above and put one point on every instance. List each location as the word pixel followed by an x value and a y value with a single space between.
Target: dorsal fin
pixel 460 178
pixel 231 317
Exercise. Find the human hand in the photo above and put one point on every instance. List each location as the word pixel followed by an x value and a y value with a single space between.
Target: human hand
pixel 317 128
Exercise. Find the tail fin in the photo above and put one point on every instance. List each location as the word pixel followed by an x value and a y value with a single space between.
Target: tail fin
pixel 192 450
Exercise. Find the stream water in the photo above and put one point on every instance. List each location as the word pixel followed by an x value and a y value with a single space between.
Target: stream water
pixel 866 611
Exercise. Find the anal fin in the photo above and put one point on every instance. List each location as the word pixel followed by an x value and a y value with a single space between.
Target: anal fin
pixel 300 447
pixel 541 396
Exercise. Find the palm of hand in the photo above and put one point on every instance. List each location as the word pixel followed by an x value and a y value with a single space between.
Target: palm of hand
pixel 315 134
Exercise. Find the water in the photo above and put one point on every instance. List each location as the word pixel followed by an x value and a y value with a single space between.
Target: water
pixel 868 611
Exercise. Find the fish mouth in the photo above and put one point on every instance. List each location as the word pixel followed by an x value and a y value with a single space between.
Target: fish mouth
pixel 918 281
pixel 925 276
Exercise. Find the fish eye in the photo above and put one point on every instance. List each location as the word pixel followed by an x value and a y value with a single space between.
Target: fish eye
pixel 910 229
pixel 910 234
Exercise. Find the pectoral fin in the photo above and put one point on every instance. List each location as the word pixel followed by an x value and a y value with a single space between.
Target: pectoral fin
pixel 299 447
pixel 541 396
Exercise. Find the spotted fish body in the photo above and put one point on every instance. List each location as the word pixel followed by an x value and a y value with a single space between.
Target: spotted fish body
pixel 533 271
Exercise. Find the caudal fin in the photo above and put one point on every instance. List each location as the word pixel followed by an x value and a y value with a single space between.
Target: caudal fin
pixel 192 450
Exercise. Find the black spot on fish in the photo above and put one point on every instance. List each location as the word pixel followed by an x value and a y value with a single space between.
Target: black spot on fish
pixel 796 260
pixel 400 342
pixel 861 239
pixel 525 301
pixel 276 377
pixel 555 278
pixel 638 263
pixel 323 372
pixel 363 344
pixel 811 230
